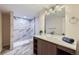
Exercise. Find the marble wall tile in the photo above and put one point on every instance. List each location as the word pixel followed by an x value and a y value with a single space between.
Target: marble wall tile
pixel 23 29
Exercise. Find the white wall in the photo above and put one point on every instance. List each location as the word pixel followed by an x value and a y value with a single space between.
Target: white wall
pixel 42 22
pixel 72 30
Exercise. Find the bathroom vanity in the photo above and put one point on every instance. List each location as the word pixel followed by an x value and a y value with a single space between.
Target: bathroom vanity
pixel 54 45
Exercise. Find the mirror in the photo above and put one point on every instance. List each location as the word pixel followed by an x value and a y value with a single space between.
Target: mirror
pixel 55 22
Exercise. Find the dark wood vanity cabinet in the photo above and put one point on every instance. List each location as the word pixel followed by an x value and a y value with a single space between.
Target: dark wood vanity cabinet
pixel 35 45
pixel 43 47
pixel 46 48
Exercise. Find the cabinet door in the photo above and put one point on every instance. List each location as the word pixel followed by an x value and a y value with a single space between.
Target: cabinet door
pixel 46 48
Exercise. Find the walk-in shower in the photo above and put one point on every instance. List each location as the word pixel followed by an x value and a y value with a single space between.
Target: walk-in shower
pixel 23 31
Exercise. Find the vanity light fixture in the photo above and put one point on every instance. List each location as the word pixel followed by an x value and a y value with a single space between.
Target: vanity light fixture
pixel 46 12
pixel 61 7
pixel 53 9
pixel 50 10
pixel 57 7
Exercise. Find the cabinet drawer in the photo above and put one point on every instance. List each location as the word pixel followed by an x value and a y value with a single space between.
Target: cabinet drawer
pixel 66 49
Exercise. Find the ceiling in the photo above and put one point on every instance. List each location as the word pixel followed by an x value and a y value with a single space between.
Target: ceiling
pixel 29 10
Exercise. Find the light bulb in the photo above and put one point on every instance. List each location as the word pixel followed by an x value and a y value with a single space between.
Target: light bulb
pixel 47 13
pixel 50 10
pixel 57 7
pixel 60 9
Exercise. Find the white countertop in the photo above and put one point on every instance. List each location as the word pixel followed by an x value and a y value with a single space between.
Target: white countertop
pixel 57 39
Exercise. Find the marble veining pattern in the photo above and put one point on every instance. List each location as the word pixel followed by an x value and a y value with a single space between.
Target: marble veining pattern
pixel 23 29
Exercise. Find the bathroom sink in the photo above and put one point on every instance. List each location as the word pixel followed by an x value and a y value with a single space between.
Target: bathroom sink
pixel 52 36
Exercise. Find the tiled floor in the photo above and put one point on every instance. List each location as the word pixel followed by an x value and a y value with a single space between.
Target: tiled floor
pixel 25 49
